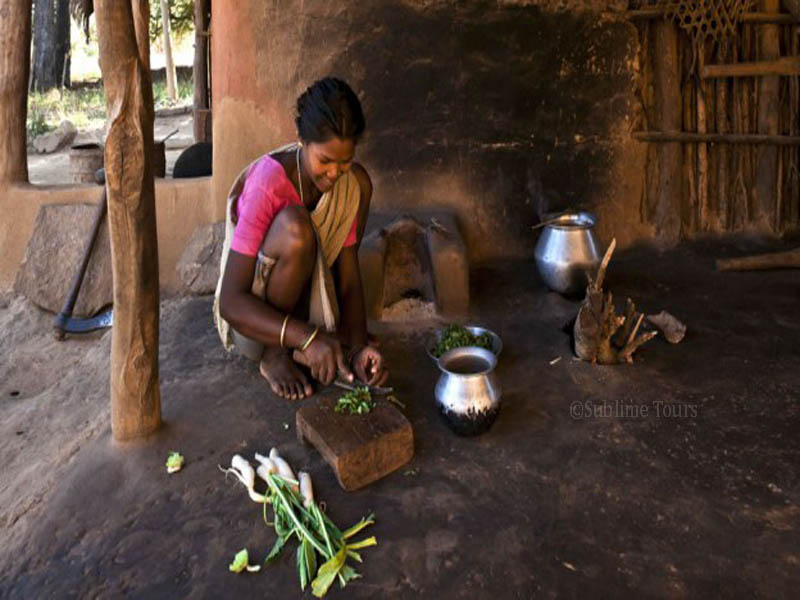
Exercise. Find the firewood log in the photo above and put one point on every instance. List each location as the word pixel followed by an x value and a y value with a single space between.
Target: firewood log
pixel 771 260
pixel 602 336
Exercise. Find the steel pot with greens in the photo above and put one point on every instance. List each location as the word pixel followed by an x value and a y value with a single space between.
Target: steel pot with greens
pixel 460 336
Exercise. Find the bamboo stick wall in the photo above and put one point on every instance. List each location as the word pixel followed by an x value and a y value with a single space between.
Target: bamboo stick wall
pixel 731 186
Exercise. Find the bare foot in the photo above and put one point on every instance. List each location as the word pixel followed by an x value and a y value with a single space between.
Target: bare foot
pixel 283 376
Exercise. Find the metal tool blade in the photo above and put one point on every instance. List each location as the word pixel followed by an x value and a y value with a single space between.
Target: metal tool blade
pixel 101 321
pixel 373 389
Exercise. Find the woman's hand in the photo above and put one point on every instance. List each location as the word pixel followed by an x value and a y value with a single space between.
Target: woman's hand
pixel 369 366
pixel 325 358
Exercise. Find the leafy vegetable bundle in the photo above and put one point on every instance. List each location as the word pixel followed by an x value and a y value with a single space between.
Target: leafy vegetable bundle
pixel 456 336
pixel 297 515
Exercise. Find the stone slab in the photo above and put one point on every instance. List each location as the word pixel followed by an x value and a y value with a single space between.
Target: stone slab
pixel 54 252
pixel 450 266
pixel 198 267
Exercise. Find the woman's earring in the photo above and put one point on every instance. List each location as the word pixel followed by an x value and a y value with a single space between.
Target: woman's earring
pixel 300 143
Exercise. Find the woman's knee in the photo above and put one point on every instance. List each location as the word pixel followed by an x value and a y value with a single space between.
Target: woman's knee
pixel 296 232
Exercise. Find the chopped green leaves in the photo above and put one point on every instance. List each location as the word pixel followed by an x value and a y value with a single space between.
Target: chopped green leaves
pixel 456 336
pixel 174 462
pixel 357 402
pixel 240 563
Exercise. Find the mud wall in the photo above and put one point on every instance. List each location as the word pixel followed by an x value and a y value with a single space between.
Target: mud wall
pixel 181 206
pixel 500 110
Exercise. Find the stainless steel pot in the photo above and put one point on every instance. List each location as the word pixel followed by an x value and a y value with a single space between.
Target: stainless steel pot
pixel 467 393
pixel 567 251
pixel 497 343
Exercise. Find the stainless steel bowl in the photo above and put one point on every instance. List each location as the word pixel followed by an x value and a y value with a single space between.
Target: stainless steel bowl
pixel 497 343
pixel 467 393
pixel 567 252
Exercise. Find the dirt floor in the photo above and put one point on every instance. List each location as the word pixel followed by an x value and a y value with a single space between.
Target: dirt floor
pixel 697 498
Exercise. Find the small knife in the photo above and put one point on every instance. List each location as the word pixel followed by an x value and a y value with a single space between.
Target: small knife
pixel 373 389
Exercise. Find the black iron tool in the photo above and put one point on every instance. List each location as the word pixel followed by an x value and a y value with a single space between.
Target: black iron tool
pixel 65 322
pixel 373 389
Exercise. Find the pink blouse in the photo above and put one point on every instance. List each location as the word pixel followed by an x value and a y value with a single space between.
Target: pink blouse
pixel 267 191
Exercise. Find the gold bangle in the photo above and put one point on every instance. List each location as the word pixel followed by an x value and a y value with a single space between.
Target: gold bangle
pixel 283 329
pixel 310 339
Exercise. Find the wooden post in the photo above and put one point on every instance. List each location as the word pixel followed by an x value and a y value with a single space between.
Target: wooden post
pixel 666 214
pixel 689 196
pixel 748 94
pixel 202 115
pixel 122 29
pixel 721 222
pixel 794 113
pixel 702 148
pixel 15 54
pixel 768 117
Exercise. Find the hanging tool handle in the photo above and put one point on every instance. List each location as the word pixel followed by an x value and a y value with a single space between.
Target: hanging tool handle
pixel 169 135
pixel 77 279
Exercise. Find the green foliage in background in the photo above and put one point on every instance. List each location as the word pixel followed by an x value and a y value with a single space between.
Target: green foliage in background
pixel 85 106
pixel 181 19
pixel 185 93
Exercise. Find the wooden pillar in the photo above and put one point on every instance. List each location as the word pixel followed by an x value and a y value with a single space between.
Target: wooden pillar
pixel 702 147
pixel 15 54
pixel 122 30
pixel 664 210
pixel 721 219
pixel 202 104
pixel 768 115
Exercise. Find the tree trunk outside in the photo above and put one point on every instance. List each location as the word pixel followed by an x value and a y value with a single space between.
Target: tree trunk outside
pixel 171 87
pixel 15 53
pixel 122 28
pixel 63 46
pixel 51 44
pixel 202 112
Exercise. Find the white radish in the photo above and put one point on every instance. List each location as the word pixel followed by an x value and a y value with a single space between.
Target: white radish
pixel 305 488
pixel 241 464
pixel 284 470
pixel 264 460
pixel 243 471
pixel 266 467
pixel 264 471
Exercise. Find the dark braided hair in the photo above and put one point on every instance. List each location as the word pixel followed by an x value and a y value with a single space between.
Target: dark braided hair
pixel 328 109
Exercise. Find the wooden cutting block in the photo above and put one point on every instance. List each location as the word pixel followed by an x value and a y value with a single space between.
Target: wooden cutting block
pixel 360 448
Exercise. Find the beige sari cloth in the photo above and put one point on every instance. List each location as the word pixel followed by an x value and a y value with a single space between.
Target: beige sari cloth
pixel 332 219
